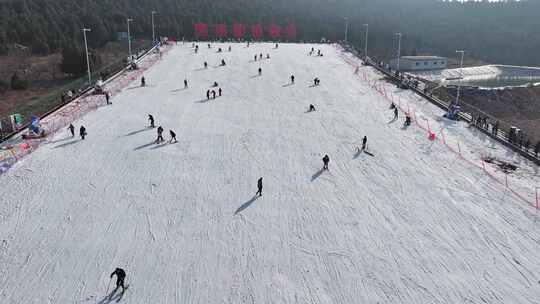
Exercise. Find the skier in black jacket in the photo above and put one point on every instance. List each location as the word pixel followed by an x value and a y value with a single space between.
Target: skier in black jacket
pixel 151 119
pixel 259 187
pixel 120 277
pixel 159 134
pixel 72 130
pixel 82 132
pixel 173 136
pixel 326 160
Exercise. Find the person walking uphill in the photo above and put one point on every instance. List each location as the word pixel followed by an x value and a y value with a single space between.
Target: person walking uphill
pixel 326 160
pixel 173 136
pixel 259 187
pixel 159 134
pixel 120 277
pixel 72 130
pixel 82 132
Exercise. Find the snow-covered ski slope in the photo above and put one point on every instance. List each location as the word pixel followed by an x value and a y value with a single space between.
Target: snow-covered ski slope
pixel 412 224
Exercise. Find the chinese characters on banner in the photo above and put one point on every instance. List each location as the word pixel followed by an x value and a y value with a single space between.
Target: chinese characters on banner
pixel 256 31
pixel 291 31
pixel 239 30
pixel 201 30
pixel 221 31
pixel 274 31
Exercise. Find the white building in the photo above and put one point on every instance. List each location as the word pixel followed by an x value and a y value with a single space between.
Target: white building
pixel 419 63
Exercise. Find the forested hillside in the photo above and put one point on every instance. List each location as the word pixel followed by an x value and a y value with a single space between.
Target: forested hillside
pixel 505 32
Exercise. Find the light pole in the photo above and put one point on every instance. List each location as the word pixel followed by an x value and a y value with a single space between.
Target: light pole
pixel 129 38
pixel 346 28
pixel 153 29
pixel 398 50
pixel 366 43
pixel 460 76
pixel 84 30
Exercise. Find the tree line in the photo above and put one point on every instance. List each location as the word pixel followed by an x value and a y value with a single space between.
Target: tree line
pixel 495 32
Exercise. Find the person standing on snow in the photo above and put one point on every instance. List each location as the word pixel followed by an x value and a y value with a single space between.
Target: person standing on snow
pixel 259 187
pixel 72 130
pixel 206 65
pixel 364 143
pixel 82 132
pixel 255 57
pixel 173 136
pixel 151 119
pixel 143 82
pixel 219 92
pixel 120 277
pixel 260 71
pixel 326 160
pixel 185 84
pixel 396 113
pixel 213 94
pixel 407 120
pixel 311 108
pixel 159 134
pixel 207 94
pixel 108 97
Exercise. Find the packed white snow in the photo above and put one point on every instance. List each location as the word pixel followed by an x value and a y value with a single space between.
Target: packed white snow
pixel 411 224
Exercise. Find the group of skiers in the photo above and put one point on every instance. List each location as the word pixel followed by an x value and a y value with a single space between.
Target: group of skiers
pixel 313 51
pixel 82 131
pixel 160 131
pixel 408 119
pixel 213 93
pixel 260 56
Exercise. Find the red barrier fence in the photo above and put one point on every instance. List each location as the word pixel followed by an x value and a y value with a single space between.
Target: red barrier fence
pixel 74 110
pixel 380 87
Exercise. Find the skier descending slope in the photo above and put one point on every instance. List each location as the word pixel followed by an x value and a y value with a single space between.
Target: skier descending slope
pixel 364 143
pixel 173 136
pixel 151 119
pixel 120 277
pixel 326 160
pixel 407 120
pixel 292 79
pixel 259 187
pixel 311 108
